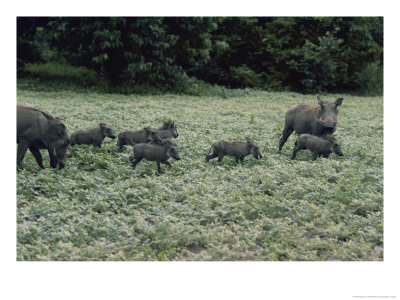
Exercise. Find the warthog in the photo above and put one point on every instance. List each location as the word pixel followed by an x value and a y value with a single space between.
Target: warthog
pixel 93 136
pixel 316 120
pixel 324 145
pixel 39 130
pixel 128 137
pixel 160 153
pixel 237 149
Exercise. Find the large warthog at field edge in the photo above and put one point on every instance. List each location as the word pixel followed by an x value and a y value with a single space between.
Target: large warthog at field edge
pixel 317 120
pixel 39 130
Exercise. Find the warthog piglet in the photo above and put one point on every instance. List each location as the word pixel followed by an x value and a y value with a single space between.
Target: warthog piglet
pixel 129 137
pixel 93 136
pixel 237 149
pixel 160 153
pixel 317 145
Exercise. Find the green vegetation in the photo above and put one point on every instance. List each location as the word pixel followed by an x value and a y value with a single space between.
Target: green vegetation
pixel 98 208
pixel 304 54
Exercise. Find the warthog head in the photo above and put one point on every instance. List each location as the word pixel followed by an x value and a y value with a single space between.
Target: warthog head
pixel 336 147
pixel 172 151
pixel 107 131
pixel 58 153
pixel 254 150
pixel 328 116
pixel 58 145
pixel 169 125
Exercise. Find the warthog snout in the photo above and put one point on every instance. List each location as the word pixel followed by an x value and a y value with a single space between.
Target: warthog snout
pixel 337 148
pixel 174 131
pixel 255 151
pixel 329 125
pixel 107 131
pixel 61 164
pixel 172 152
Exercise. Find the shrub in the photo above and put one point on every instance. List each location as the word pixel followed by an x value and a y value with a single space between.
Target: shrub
pixel 370 79
pixel 60 71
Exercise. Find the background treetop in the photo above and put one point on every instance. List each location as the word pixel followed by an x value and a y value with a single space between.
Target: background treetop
pixel 306 54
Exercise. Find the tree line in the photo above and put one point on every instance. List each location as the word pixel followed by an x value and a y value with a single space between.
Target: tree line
pixel 305 54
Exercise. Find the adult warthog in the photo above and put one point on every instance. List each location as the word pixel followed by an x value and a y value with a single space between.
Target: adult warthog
pixel 317 120
pixel 39 130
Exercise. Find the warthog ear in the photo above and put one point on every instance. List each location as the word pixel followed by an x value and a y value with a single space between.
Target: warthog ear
pixel 60 128
pixel 149 130
pixel 320 102
pixel 102 125
pixel 249 145
pixel 339 101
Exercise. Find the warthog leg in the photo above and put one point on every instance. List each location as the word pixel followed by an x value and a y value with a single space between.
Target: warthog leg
pixel 158 166
pixel 285 134
pixel 22 148
pixel 208 157
pixel 294 152
pixel 37 155
pixel 167 163
pixel 135 162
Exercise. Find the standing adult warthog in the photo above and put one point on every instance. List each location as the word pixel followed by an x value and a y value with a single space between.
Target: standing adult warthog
pixel 128 137
pixel 39 130
pixel 316 120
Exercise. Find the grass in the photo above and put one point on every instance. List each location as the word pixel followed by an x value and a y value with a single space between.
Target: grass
pixel 98 208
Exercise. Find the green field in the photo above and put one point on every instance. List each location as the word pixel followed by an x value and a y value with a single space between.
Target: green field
pixel 98 208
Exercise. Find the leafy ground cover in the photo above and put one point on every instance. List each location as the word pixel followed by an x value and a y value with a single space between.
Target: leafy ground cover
pixel 98 208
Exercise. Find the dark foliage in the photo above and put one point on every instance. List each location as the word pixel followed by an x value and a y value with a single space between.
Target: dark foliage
pixel 307 54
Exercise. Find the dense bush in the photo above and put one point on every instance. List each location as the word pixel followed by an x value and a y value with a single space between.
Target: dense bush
pixel 307 54
pixel 153 51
